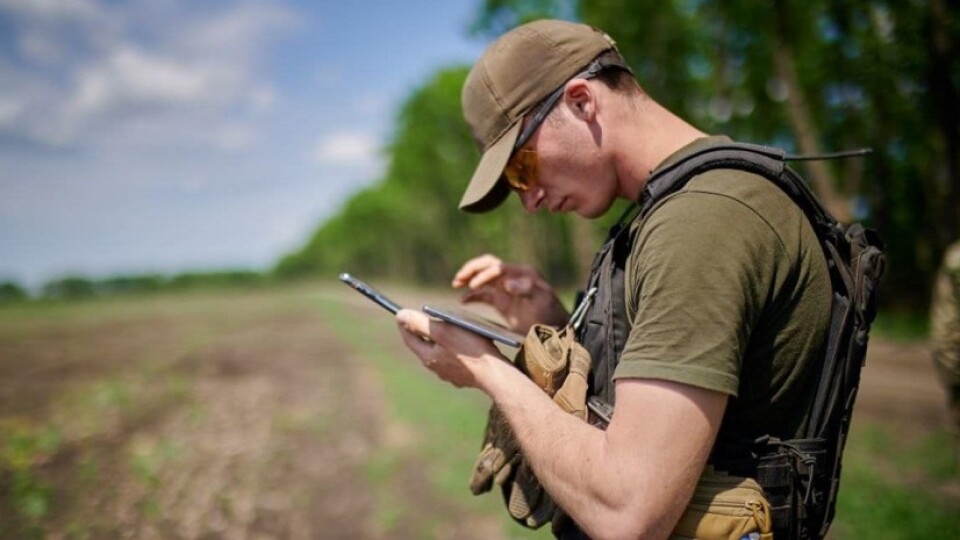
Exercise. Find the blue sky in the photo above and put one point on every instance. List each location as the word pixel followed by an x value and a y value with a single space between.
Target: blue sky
pixel 173 135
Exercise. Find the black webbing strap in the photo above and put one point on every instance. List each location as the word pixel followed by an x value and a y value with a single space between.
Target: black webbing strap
pixel 793 472
pixel 764 161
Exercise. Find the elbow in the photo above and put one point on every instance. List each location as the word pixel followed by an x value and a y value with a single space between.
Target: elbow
pixel 624 523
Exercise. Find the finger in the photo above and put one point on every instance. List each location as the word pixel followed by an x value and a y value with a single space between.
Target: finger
pixel 486 276
pixel 473 267
pixel 519 286
pixel 414 322
pixel 491 295
pixel 482 295
pixel 423 349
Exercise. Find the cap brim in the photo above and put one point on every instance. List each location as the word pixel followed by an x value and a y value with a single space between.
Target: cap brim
pixel 486 191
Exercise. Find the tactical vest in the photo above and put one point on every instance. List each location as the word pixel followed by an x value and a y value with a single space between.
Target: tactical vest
pixel 800 477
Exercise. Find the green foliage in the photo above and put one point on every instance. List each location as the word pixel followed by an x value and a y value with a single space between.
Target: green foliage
pixel 804 75
pixel 22 447
pixel 201 280
pixel 407 226
pixel 902 326
pixel 78 287
pixel 889 484
pixel 498 16
pixel 12 292
pixel 69 288
pixel 797 73
pixel 432 411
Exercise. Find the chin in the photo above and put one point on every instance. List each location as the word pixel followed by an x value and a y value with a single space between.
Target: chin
pixel 593 212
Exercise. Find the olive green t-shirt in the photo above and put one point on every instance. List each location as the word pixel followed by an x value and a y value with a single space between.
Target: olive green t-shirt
pixel 727 289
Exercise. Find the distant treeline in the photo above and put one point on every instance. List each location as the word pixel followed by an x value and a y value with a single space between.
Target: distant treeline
pixel 811 77
pixel 78 287
pixel 407 225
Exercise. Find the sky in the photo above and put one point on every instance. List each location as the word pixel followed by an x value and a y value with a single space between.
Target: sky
pixel 172 135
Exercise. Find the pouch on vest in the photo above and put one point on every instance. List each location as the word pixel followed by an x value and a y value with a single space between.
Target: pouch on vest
pixel 559 366
pixel 725 507
pixel 801 476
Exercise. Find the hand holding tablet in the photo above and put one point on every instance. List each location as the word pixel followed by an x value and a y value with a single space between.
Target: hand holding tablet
pixel 459 317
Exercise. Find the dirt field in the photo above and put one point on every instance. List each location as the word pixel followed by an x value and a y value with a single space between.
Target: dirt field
pixel 244 416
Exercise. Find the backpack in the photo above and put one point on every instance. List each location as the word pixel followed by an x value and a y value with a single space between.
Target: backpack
pixel 800 477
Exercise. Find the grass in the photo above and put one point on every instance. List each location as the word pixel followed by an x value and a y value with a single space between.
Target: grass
pixel 901 326
pixel 22 447
pixel 892 488
pixel 889 487
pixel 881 497
pixel 448 422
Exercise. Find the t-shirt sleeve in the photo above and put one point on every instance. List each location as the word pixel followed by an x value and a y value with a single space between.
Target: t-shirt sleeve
pixel 701 269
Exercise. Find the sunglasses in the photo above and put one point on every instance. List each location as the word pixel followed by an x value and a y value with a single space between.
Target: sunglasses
pixel 521 169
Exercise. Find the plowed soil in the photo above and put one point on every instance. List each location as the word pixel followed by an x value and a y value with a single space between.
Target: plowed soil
pixel 244 416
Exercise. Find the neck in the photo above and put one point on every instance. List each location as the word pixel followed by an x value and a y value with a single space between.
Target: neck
pixel 650 134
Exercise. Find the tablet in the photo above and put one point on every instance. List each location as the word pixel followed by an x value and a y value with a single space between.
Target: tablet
pixel 460 317
pixel 370 293
pixel 479 325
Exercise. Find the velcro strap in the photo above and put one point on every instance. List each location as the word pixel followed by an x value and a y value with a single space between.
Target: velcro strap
pixel 774 475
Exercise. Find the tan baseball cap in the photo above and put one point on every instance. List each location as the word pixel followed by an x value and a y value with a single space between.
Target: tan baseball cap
pixel 515 73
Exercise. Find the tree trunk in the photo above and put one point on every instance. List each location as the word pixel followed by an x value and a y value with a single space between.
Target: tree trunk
pixel 946 100
pixel 806 132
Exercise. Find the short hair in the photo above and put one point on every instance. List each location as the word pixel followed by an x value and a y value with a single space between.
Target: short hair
pixel 620 81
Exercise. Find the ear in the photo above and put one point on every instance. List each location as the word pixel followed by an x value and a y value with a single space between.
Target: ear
pixel 581 99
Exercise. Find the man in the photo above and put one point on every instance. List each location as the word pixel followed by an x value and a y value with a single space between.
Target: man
pixel 945 334
pixel 726 288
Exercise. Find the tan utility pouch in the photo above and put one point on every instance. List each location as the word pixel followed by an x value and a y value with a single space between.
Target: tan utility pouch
pixel 725 507
pixel 722 506
pixel 559 365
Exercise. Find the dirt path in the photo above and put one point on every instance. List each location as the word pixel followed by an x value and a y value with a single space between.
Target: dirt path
pixel 899 389
pixel 267 436
pixel 247 418
pixel 272 446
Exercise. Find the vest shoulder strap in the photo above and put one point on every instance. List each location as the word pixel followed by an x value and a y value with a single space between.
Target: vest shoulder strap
pixel 770 163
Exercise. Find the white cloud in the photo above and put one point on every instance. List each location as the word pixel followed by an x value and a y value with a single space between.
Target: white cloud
pixel 131 76
pixel 239 31
pixel 127 65
pixel 345 149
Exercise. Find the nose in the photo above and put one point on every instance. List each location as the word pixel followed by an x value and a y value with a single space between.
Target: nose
pixel 530 199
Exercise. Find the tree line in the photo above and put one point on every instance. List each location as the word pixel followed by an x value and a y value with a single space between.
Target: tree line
pixel 810 76
pixel 75 287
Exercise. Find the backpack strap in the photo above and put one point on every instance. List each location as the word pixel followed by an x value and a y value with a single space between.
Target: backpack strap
pixel 764 161
pixel 802 476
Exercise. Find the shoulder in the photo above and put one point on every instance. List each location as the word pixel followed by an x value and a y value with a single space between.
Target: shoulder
pixel 722 202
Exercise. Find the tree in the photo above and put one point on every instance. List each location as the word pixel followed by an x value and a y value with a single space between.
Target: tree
pixel 407 226
pixel 12 292
pixel 811 75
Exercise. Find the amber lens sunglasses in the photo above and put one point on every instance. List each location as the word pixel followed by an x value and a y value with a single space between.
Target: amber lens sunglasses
pixel 521 170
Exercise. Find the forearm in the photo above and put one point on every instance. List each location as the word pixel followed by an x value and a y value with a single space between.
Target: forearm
pixel 632 480
pixel 603 488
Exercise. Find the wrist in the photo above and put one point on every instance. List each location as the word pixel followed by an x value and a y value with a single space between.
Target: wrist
pixel 494 378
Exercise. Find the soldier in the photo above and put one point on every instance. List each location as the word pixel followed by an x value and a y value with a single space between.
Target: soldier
pixel 727 292
pixel 945 335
